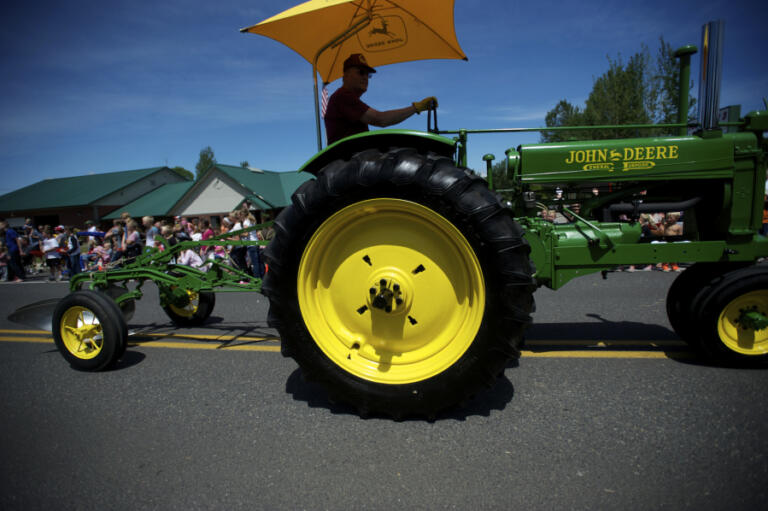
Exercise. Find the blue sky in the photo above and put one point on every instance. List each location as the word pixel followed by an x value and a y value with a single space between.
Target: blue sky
pixel 101 86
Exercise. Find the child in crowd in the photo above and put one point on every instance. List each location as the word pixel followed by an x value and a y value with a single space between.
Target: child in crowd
pixel 189 257
pixel 50 248
pixel 4 258
pixel 99 256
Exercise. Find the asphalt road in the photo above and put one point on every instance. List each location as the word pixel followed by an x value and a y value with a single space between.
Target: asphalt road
pixel 606 410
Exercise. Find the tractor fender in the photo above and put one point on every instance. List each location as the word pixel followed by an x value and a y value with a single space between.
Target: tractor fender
pixel 345 148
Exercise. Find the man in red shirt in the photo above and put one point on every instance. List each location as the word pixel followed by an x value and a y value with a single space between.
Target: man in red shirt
pixel 347 114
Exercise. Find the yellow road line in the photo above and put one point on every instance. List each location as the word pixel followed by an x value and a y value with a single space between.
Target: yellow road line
pixel 208 337
pixel 584 349
pixel 27 339
pixel 603 354
pixel 603 344
pixel 157 344
pixel 202 346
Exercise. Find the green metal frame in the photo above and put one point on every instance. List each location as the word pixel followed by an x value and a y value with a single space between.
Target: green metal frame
pixel 174 280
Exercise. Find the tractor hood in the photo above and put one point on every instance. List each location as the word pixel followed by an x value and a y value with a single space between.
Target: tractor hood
pixel 630 159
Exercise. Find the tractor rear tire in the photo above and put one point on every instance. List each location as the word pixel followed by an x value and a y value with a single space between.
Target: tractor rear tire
pixel 719 311
pixel 89 330
pixel 399 283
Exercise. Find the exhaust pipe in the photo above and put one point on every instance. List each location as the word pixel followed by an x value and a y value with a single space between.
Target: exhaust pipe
pixel 711 73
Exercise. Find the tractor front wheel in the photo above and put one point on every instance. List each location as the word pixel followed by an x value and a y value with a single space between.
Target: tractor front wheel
pixel 399 283
pixel 681 295
pixel 732 314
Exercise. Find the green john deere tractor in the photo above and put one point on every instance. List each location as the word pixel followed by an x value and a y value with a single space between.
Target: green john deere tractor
pixel 402 283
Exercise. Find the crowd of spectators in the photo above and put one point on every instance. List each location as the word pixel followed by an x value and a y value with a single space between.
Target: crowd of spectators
pixel 66 250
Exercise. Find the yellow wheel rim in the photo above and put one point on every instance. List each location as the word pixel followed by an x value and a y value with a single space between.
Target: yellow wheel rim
pixel 746 341
pixel 81 332
pixel 391 291
pixel 189 310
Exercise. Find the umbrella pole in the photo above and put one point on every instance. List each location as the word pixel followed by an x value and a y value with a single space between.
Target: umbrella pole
pixel 317 112
pixel 354 29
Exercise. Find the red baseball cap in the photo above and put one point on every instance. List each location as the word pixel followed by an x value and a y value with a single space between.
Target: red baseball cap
pixel 358 60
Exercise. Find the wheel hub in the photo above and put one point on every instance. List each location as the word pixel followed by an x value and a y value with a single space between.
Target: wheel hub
pixel 387 295
pixel 752 319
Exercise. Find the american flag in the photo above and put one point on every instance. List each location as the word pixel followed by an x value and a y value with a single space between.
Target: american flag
pixel 324 100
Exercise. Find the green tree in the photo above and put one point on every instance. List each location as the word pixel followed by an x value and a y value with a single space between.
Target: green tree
pixel 183 172
pixel 564 114
pixel 244 164
pixel 619 97
pixel 639 91
pixel 664 91
pixel 204 163
pixel 502 182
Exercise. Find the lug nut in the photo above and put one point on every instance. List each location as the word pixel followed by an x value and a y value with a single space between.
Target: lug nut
pixel 396 287
pixel 372 290
pixel 383 282
pixel 399 301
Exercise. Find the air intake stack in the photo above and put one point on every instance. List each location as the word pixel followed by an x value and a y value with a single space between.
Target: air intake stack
pixel 711 73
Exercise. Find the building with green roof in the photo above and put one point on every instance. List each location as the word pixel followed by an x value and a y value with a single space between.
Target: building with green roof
pixel 157 203
pixel 73 200
pixel 223 188
pixel 158 192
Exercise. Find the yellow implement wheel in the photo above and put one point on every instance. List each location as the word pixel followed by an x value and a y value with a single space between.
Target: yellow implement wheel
pixel 188 310
pixel 731 326
pixel 81 332
pixel 391 291
pixel 194 313
pixel 398 282
pixel 89 330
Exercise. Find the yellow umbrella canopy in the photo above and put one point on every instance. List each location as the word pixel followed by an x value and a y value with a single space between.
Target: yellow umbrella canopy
pixel 326 32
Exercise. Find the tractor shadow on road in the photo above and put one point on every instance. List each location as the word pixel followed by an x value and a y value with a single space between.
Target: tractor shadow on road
pixel 482 404
pixel 604 336
pixel 601 329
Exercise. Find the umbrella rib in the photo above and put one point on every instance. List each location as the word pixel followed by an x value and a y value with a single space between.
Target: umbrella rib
pixel 398 6
pixel 360 7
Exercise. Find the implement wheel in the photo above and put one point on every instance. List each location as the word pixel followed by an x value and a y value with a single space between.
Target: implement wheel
pixel 127 307
pixel 732 313
pixel 195 311
pixel 89 330
pixel 399 283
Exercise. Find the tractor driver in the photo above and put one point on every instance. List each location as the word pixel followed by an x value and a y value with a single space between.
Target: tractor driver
pixel 347 115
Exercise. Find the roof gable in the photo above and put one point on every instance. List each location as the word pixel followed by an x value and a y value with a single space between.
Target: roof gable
pixel 72 191
pixel 158 202
pixel 275 187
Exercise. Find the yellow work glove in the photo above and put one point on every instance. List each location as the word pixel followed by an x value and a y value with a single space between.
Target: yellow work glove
pixel 430 102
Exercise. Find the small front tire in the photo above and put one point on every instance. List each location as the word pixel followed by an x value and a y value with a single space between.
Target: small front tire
pixel 726 331
pixel 681 295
